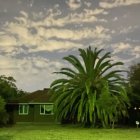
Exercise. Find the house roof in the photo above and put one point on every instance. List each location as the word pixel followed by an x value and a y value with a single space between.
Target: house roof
pixel 40 96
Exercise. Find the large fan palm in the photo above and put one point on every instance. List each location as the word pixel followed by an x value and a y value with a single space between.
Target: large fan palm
pixel 92 91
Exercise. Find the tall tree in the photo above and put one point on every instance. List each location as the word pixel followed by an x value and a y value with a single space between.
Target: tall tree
pixel 134 84
pixel 91 91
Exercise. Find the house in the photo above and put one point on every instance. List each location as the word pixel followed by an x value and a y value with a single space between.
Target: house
pixel 33 107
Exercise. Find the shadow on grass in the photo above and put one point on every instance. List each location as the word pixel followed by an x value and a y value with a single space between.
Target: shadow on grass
pixel 5 137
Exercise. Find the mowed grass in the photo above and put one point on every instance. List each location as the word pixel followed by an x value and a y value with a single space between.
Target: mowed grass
pixel 66 132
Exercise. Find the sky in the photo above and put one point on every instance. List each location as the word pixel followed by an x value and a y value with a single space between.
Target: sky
pixel 36 34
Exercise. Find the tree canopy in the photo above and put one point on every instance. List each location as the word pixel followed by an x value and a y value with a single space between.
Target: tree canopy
pixel 8 89
pixel 134 84
pixel 91 90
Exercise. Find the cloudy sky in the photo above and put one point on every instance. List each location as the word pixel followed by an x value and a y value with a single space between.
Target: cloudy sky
pixel 36 34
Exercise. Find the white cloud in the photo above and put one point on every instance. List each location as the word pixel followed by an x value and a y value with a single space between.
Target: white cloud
pixel 126 62
pixel 120 47
pixel 24 14
pixel 98 32
pixel 6 40
pixel 117 3
pixel 7 43
pixel 30 72
pixel 8 63
pixel 136 52
pixel 86 15
pixel 52 45
pixel 50 19
pixel 88 4
pixel 115 18
pixel 36 36
pixel 74 4
pixel 130 50
pixel 126 30
pixel 35 44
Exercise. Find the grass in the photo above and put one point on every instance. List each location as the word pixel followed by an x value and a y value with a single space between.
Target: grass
pixel 68 132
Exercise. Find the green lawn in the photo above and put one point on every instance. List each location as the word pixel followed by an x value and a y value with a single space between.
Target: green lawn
pixel 59 132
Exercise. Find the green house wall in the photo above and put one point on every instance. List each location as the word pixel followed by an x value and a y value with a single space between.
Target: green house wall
pixel 33 115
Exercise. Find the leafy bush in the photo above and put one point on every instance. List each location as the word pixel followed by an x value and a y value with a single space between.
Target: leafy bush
pixel 3 114
pixel 4 117
pixel 2 104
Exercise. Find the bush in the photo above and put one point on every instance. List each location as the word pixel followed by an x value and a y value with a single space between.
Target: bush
pixel 2 104
pixel 4 117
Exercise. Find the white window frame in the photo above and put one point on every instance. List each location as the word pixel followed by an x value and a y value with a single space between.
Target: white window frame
pixel 23 109
pixel 44 109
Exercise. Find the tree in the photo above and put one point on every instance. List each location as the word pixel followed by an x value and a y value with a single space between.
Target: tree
pixel 133 89
pixel 91 91
pixel 2 104
pixel 134 84
pixel 3 115
pixel 8 89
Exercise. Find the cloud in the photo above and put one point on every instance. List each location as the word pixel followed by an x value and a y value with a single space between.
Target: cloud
pixel 120 47
pixel 21 24
pixel 53 45
pixel 86 16
pixel 7 43
pixel 98 32
pixel 8 63
pixel 125 52
pixel 50 19
pixel 115 19
pixel 136 52
pixel 126 62
pixel 118 3
pixel 88 4
pixel 36 36
pixel 126 30
pixel 36 44
pixel 30 72
pixel 74 4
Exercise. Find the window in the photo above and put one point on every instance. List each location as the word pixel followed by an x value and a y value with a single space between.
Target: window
pixel 23 109
pixel 46 109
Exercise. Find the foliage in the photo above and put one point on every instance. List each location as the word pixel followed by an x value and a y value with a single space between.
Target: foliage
pixel 92 91
pixel 8 89
pixel 2 104
pixel 3 115
pixel 134 84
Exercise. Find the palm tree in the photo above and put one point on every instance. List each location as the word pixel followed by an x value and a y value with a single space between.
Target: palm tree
pixel 92 91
